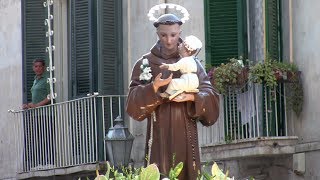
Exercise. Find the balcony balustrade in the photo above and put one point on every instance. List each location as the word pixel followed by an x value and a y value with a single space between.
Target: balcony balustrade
pixel 65 134
pixel 71 133
pixel 253 121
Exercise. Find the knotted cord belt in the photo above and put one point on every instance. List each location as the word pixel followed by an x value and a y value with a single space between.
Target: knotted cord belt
pixel 153 118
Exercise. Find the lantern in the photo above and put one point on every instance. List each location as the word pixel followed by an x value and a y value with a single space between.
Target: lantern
pixel 119 144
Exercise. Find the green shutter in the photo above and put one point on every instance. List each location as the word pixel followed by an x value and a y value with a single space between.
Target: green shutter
pixel 274 51
pixel 82 75
pixel 225 30
pixel 34 40
pixel 81 66
pixel 273 29
pixel 96 47
pixel 226 38
pixel 110 61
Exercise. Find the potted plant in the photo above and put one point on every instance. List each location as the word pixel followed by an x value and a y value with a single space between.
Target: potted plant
pixel 286 72
pixel 233 73
pixel 271 73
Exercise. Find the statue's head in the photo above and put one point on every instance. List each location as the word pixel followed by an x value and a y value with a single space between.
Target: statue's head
pixel 167 19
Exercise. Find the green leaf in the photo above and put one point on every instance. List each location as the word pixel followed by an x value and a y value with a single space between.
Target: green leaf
pixel 177 170
pixel 108 170
pixel 101 177
pixel 151 172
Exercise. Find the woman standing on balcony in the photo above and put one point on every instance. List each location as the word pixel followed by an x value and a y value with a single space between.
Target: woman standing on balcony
pixel 172 127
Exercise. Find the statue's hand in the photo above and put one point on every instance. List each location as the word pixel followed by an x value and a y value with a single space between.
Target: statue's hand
pixel 158 82
pixel 184 97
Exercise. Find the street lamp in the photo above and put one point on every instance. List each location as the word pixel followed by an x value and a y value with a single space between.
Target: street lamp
pixel 119 143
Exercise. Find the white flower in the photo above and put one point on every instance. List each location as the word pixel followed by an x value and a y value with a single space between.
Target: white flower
pixel 145 71
pixel 145 62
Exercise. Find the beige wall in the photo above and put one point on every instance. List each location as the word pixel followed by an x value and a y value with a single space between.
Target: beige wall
pixel 10 83
pixel 306 43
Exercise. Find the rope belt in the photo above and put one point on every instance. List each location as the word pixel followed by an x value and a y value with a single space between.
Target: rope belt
pixel 153 118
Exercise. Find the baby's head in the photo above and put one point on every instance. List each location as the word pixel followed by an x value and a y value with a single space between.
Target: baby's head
pixel 189 46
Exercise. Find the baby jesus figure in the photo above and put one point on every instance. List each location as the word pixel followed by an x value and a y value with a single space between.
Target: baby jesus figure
pixel 188 81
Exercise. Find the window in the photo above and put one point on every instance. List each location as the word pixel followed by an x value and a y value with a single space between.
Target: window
pixel 273 35
pixel 274 51
pixel 94 51
pixel 96 54
pixel 95 47
pixel 225 27
pixel 226 35
pixel 34 39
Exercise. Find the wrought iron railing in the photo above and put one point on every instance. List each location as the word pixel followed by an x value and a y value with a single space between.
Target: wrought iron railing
pixel 65 134
pixel 72 133
pixel 246 113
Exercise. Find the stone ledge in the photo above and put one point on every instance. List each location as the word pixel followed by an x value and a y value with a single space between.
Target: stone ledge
pixel 58 171
pixel 308 146
pixel 255 147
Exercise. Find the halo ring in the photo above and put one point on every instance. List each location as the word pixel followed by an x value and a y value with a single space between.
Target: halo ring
pixel 170 6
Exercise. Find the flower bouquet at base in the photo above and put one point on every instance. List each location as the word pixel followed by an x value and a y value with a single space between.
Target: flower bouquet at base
pixel 216 174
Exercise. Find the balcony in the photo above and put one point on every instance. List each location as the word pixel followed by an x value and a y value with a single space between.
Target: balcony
pixel 68 137
pixel 65 138
pixel 253 122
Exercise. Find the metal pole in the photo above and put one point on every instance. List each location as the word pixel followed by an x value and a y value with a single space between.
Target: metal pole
pixel 50 48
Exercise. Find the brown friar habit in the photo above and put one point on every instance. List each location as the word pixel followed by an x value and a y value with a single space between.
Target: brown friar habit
pixel 175 128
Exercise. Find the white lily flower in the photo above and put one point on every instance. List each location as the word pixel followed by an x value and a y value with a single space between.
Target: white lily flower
pixel 145 71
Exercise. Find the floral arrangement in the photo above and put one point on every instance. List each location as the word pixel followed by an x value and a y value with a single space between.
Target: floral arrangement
pixel 145 75
pixel 151 172
pixel 270 72
pixel 217 173
pixel 230 74
pixel 234 75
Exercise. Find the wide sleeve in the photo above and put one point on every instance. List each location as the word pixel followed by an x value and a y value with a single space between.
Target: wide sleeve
pixel 142 100
pixel 205 107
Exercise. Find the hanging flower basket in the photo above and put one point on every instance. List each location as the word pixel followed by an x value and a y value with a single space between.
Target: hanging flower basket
pixel 272 72
pixel 287 76
pixel 242 78
pixel 232 74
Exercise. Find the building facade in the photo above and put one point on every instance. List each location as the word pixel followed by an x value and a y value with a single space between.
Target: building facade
pixel 96 45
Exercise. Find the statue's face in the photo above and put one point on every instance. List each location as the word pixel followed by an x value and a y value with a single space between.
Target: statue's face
pixel 169 36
